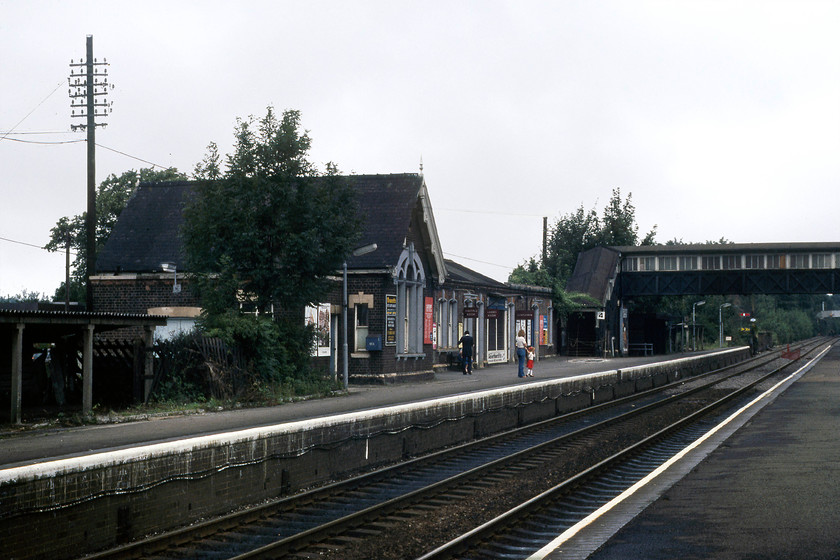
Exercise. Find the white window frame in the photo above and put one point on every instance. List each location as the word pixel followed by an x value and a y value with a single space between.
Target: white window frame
pixel 821 260
pixel 711 262
pixel 360 332
pixel 668 263
pixel 688 263
pixel 409 278
pixel 754 262
pixel 799 261
pixel 731 262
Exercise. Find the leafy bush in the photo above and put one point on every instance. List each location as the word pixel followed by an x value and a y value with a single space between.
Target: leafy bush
pixel 276 354
pixel 181 370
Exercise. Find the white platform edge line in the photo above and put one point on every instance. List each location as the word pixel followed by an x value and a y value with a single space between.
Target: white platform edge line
pixel 565 536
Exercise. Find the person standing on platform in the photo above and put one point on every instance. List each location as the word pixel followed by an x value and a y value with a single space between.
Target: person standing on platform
pixel 520 344
pixel 530 364
pixel 467 342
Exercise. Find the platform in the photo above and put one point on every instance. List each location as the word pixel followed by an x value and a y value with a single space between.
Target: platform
pixel 19 446
pixel 771 490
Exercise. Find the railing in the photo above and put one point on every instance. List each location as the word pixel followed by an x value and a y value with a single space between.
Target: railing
pixel 641 348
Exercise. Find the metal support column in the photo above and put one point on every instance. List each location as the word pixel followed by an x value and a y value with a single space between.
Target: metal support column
pixel 17 374
pixel 87 370
pixel 148 361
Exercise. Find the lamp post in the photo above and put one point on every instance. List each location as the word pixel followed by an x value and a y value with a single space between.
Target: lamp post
pixel 720 321
pixel 694 324
pixel 169 267
pixel 364 250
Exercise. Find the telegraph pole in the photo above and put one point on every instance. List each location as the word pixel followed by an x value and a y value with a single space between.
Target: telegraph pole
pixel 89 80
pixel 545 240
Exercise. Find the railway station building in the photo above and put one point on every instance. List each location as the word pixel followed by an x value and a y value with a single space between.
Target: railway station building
pixel 407 306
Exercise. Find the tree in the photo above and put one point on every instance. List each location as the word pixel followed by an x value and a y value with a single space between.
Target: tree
pixel 112 195
pixel 24 297
pixel 618 225
pixel 582 230
pixel 572 234
pixel 271 230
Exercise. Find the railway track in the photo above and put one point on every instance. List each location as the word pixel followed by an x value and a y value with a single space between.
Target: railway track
pixel 533 528
pixel 411 508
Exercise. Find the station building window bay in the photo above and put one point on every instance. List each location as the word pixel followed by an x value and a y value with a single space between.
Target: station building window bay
pixel 409 279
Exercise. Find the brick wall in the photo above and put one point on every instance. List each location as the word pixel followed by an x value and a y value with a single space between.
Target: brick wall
pixel 79 505
pixel 139 294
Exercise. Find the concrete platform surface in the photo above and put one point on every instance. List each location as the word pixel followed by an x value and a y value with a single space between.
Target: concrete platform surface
pixel 772 490
pixel 27 445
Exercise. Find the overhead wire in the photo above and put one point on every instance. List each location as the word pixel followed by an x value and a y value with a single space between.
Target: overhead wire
pixel 478 261
pixel 30 112
pixel 131 156
pixel 24 243
pixel 11 131
pixel 492 212
pixel 42 142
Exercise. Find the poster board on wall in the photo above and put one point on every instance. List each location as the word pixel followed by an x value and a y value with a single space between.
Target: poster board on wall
pixel 390 320
pixel 319 316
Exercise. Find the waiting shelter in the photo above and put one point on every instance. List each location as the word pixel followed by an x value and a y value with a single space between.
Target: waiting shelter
pixel 22 329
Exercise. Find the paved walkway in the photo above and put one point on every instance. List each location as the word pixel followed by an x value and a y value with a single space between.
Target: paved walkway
pixel 18 447
pixel 772 490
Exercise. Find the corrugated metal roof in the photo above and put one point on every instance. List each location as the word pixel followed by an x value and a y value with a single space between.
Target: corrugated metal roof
pixel 39 313
pixel 593 272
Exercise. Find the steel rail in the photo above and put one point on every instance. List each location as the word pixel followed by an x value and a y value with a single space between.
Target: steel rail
pixel 518 516
pixel 229 522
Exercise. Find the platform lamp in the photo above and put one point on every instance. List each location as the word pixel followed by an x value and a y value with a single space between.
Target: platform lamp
pixel 169 267
pixel 720 320
pixel 359 251
pixel 694 323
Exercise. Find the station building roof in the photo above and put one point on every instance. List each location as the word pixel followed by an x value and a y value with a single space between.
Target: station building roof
pixel 148 231
pixel 719 248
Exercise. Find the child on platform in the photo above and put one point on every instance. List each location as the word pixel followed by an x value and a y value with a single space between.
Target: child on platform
pixel 530 364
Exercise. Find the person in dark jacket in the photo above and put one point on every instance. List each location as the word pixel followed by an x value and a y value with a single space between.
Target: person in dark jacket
pixel 467 343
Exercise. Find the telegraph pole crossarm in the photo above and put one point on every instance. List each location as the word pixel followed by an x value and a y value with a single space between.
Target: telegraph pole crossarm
pixel 88 81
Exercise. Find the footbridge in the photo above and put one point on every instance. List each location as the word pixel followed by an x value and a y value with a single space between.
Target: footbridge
pixel 612 276
pixel 729 269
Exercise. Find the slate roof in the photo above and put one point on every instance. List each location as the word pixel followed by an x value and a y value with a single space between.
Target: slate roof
pixel 386 203
pixel 147 232
pixel 458 273
pixel 593 271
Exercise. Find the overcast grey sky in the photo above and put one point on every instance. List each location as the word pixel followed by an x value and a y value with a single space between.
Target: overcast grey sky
pixel 722 118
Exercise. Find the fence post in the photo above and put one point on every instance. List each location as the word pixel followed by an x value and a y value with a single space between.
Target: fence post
pixel 148 362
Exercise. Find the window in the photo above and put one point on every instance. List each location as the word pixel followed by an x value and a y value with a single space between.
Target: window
pixel 754 261
pixel 647 263
pixel 496 333
pixel 799 261
pixel 775 261
pixel 667 263
pixel 495 320
pixel 409 278
pixel 731 262
pixel 630 264
pixel 688 263
pixel 711 263
pixel 821 260
pixel 361 326
pixel 452 326
pixel 442 331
